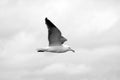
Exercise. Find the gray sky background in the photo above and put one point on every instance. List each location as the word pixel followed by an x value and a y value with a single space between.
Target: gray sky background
pixel 92 28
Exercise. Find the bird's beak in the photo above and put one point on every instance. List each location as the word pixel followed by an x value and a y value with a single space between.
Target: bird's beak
pixel 72 50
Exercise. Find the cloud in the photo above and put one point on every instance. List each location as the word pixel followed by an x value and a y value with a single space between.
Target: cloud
pixel 90 63
pixel 3 2
pixel 91 27
pixel 65 68
pixel 20 41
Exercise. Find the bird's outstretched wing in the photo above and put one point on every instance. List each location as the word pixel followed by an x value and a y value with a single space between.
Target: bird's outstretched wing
pixel 54 35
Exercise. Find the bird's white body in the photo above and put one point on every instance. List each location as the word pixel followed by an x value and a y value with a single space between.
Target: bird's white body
pixel 57 49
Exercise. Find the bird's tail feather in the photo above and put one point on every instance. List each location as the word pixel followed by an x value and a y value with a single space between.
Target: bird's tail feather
pixel 40 51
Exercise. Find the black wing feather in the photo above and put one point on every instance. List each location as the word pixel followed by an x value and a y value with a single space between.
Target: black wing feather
pixel 54 35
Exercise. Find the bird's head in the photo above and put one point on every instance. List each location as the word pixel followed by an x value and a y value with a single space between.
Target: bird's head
pixel 69 49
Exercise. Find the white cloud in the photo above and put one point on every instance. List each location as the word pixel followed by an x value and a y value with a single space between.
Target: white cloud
pixel 3 2
pixel 66 68
pixel 90 63
pixel 19 42
pixel 55 9
pixel 90 27
pixel 102 21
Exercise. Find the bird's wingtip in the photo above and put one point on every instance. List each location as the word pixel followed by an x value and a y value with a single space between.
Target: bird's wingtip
pixel 46 18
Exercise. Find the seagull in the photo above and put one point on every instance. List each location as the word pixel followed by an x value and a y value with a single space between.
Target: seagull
pixel 56 40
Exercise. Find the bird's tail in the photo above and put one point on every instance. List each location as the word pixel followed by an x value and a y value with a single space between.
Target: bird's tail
pixel 40 51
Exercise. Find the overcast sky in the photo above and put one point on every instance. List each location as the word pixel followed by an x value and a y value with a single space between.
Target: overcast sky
pixel 92 28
